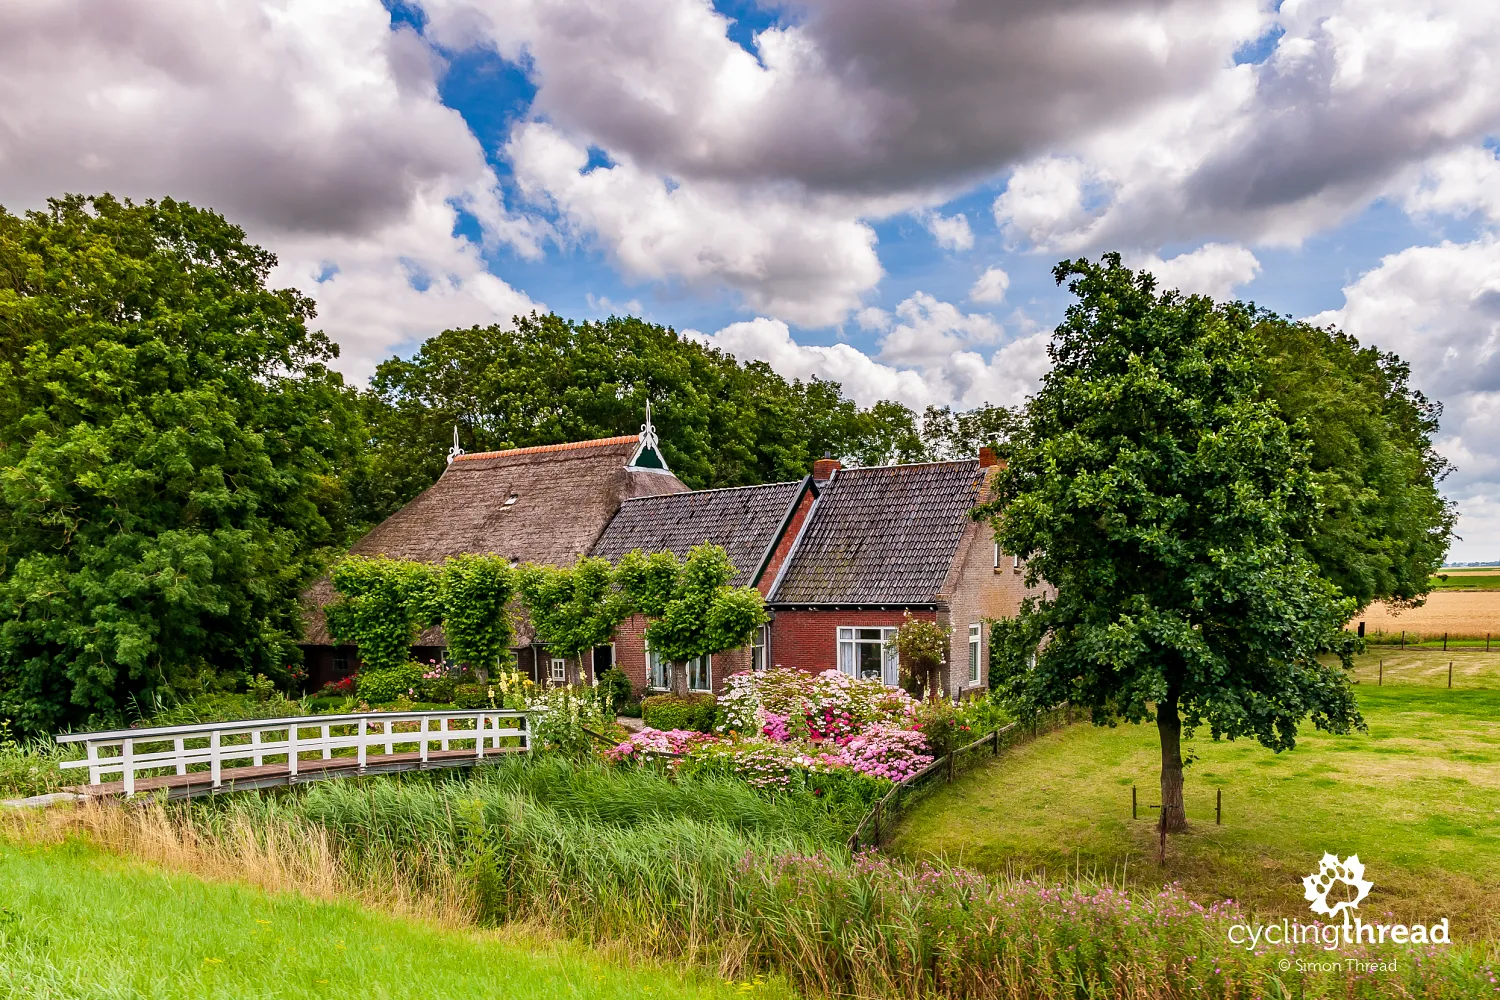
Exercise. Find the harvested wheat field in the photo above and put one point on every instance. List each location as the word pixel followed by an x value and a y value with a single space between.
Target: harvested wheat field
pixel 1457 612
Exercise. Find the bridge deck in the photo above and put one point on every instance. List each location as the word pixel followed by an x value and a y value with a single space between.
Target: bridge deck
pixel 195 784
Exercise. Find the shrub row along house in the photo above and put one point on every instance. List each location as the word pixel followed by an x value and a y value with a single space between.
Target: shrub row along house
pixel 841 556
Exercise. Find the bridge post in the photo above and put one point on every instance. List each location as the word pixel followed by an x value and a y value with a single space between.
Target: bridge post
pixel 215 764
pixel 180 746
pixel 127 758
pixel 93 749
pixel 425 720
pixel 291 750
pixel 363 729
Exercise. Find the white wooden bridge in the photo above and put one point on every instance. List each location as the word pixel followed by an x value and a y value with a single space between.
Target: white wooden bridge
pixel 215 757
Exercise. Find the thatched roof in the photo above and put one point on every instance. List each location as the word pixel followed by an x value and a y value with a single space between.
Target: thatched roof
pixel 747 521
pixel 546 504
pixel 881 536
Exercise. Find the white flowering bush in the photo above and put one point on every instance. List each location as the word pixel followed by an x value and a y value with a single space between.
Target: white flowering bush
pixel 558 716
pixel 818 707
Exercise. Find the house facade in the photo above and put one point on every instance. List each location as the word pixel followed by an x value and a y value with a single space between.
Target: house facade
pixel 841 557
pixel 881 543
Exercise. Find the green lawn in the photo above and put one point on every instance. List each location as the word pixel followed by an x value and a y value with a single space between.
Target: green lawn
pixel 1417 797
pixel 75 922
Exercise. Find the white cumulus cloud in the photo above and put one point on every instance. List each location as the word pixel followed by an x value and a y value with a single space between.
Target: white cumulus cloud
pixel 312 123
pixel 991 286
pixel 1214 269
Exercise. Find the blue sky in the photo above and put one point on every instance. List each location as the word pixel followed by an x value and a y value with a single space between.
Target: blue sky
pixel 868 190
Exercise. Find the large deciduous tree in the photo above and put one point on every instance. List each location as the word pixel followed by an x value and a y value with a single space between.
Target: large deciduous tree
pixel 169 440
pixel 1168 501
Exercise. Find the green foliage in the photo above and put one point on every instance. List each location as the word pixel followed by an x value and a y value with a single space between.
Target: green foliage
pixel 383 603
pixel 650 581
pixel 1168 502
pixel 389 683
pixel 701 614
pixel 670 711
pixel 29 767
pixel 437 689
pixel 171 442
pixel 615 689
pixel 474 594
pixel 225 706
pixel 471 696
pixel 1382 527
pixel 572 608
pixel 944 726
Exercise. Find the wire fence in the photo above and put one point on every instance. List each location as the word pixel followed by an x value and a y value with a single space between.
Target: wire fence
pixel 886 812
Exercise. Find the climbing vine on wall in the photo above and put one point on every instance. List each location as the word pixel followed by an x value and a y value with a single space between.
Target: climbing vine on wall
pixel 474 593
pixel 383 604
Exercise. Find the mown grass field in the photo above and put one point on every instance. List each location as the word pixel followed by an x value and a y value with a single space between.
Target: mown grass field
pixel 1417 797
pixel 76 922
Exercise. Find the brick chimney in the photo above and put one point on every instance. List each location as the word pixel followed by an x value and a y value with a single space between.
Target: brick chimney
pixel 825 467
pixel 987 458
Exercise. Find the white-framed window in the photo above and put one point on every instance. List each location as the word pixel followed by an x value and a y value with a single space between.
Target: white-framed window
pixel 760 648
pixel 997 555
pixel 700 672
pixel 975 647
pixel 1015 563
pixel 340 660
pixel 558 670
pixel 869 652
pixel 658 672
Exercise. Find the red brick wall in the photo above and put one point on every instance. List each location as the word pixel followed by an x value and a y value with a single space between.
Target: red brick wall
pixel 630 656
pixel 783 547
pixel 808 640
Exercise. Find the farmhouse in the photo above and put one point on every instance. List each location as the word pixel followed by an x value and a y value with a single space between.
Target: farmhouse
pixel 841 555
pixel 546 504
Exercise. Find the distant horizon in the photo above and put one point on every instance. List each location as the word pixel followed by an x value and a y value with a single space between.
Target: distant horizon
pixel 1470 565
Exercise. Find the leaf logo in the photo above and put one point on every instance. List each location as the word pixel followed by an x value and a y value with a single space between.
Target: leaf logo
pixel 1331 871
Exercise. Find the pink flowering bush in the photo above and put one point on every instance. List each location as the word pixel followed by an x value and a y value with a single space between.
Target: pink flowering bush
pixel 884 751
pixel 656 744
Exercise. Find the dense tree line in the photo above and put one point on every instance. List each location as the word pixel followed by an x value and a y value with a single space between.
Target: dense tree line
pixel 178 460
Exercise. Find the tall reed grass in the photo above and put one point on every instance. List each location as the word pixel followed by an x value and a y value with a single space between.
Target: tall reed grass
pixel 714 873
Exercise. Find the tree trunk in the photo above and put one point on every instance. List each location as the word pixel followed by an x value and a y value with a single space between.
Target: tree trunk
pixel 1169 726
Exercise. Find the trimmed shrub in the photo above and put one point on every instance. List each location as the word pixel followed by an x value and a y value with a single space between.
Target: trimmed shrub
pixel 376 686
pixel 671 711
pixel 471 696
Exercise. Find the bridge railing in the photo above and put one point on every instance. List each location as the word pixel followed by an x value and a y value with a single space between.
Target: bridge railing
pixel 211 746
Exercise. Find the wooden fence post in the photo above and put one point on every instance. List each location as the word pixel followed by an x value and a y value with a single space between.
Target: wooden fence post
pixel 1450 675
pixel 1381 680
pixel 1403 638
pixel 1445 642
pixel 1219 807
pixel 1132 802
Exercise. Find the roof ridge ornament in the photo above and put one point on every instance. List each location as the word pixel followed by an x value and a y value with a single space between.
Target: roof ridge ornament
pixel 648 454
pixel 456 450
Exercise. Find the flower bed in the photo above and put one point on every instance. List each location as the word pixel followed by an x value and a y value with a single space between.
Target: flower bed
pixel 783 729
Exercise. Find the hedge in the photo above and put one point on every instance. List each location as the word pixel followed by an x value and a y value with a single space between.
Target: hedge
pixel 670 711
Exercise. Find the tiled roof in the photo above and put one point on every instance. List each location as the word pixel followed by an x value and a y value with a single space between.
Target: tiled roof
pixel 745 521
pixel 885 535
pixel 546 504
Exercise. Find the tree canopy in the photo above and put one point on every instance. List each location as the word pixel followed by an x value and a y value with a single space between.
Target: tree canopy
pixel 1170 504
pixel 170 437
pixel 1382 528
pixel 546 380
